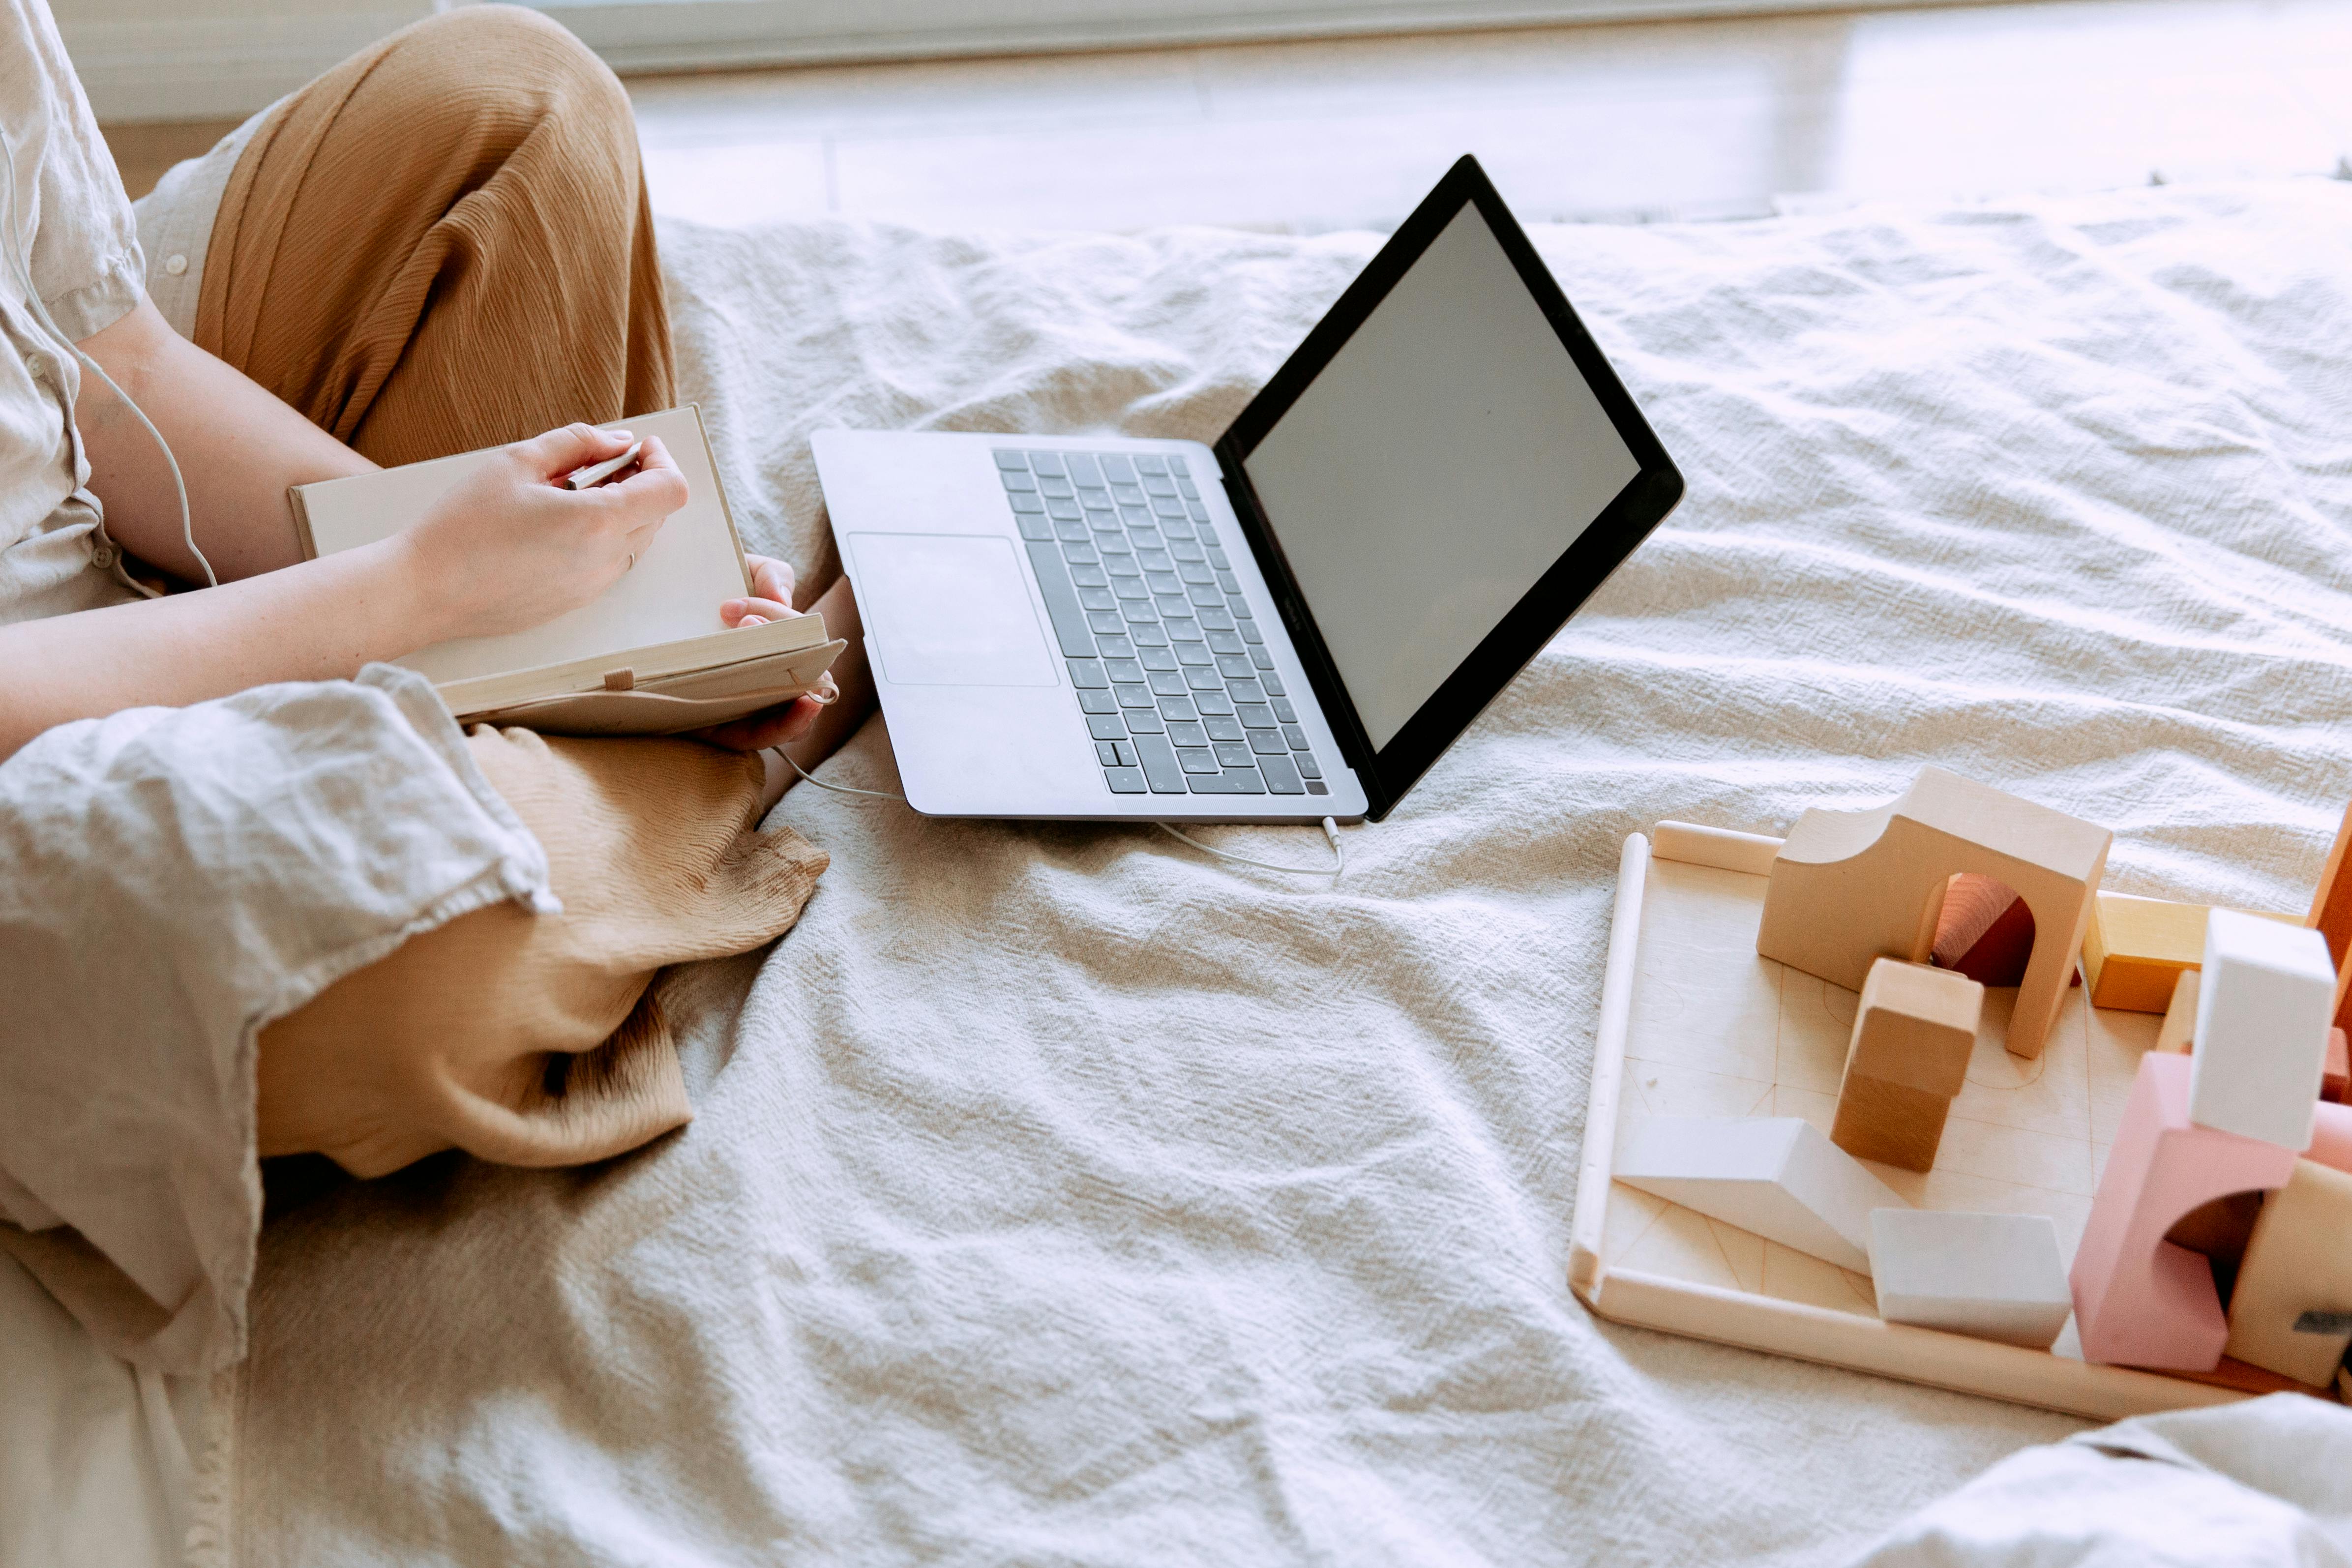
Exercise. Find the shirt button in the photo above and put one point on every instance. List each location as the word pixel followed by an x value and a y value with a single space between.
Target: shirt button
pixel 103 557
pixel 175 264
pixel 38 364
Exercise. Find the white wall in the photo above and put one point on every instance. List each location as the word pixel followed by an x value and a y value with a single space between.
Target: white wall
pixel 201 59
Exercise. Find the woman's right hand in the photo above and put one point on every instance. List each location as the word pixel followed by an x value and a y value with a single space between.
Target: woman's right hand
pixel 510 547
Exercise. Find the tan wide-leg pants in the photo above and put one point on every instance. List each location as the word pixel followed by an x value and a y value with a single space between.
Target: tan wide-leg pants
pixel 444 244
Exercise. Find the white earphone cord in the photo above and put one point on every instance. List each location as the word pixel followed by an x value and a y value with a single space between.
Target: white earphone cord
pixel 41 311
pixel 1331 830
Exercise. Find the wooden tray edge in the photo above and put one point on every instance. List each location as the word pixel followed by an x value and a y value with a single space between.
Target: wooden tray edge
pixel 1608 1070
pixel 1928 1356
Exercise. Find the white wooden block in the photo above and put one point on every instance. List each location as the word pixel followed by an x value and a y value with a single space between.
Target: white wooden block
pixel 2264 1006
pixel 1989 1276
pixel 1777 1175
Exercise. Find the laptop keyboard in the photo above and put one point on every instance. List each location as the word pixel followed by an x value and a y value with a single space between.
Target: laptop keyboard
pixel 1172 673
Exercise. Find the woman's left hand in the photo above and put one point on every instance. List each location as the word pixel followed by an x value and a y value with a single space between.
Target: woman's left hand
pixel 770 599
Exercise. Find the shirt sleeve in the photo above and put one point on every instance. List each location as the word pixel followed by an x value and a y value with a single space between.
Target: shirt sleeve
pixel 72 221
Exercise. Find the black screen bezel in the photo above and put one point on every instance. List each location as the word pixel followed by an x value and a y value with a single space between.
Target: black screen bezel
pixel 1387 773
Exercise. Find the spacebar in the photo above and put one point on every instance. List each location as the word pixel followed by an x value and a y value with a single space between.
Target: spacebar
pixel 1061 600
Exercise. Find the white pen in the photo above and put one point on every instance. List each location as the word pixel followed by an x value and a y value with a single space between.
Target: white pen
pixel 597 473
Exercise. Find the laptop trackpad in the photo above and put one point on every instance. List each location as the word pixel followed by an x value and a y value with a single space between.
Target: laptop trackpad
pixel 950 610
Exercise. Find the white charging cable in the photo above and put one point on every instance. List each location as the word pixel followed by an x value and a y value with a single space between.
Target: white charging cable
pixel 1331 830
pixel 41 311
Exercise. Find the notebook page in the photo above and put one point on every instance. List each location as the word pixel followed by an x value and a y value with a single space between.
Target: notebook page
pixel 672 593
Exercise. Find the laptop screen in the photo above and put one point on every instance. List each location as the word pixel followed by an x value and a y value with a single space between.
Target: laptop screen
pixel 1438 466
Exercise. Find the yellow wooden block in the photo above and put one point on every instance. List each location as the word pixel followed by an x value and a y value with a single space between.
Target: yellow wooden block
pixel 2135 949
pixel 2298 1261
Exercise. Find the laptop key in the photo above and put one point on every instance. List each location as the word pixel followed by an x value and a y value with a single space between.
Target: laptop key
pixel 1229 582
pixel 1208 535
pixel 1084 468
pixel 1135 697
pixel 1250 634
pixel 1280 777
pixel 1047 463
pixel 1086 574
pixel 1158 485
pixel 1306 763
pixel 1185 733
pixel 1203 680
pixel 1130 588
pixel 1034 525
pixel 1105 620
pixel 1218 558
pixel 1200 513
pixel 1027 501
pixel 1186 549
pixel 1234 754
pixel 1183 628
pixel 1106 726
pixel 1234 666
pixel 1117 466
pixel 1193 653
pixel 1167 683
pixel 1154 560
pixel 1223 727
pixel 1150 463
pixel 1081 555
pixel 1072 533
pixel 1147 637
pixel 1254 716
pixel 1216 618
pixel 1139 611
pixel 1055 485
pixel 1225 642
pixel 1273 685
pixel 1021 480
pixel 1061 601
pixel 1282 709
pixel 1215 703
pixel 1186 488
pixel 1240 607
pixel 1010 461
pixel 1087 673
pixel 1195 760
pixel 1196 572
pixel 1162 582
pixel 1268 743
pixel 1159 659
pixel 1144 721
pixel 1174 708
pixel 1095 597
pixel 1066 510
pixel 1098 702
pixel 1251 696
pixel 1160 768
pixel 1295 735
pixel 1239 781
pixel 1261 658
pixel 1167 506
pixel 1126 670
pixel 1204 596
pixel 1124 780
pixel 1106 753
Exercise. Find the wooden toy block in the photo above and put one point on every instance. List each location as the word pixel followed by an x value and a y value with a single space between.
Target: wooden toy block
pixel 1849 888
pixel 1775 1176
pixel 1984 932
pixel 1991 1276
pixel 2180 1028
pixel 2139 1299
pixel 2138 948
pixel 2291 1311
pixel 2263 1005
pixel 1913 1031
pixel 2336 1078
pixel 2331 1137
pixel 2331 916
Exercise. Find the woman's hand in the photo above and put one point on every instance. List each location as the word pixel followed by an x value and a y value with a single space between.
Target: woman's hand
pixel 770 599
pixel 509 547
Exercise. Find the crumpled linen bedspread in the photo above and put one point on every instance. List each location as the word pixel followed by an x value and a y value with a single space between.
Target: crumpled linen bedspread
pixel 1060 1197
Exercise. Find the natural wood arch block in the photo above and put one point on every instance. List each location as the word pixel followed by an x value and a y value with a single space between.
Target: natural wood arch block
pixel 2331 916
pixel 1849 888
pixel 2139 1299
pixel 2298 1260
pixel 1913 1032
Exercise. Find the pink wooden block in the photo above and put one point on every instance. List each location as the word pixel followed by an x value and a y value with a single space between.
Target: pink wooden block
pixel 2140 1300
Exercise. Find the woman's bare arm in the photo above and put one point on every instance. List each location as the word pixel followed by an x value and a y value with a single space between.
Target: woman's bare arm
pixel 239 449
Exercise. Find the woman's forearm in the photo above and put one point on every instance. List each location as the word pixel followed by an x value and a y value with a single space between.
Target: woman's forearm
pixel 321 620
pixel 238 447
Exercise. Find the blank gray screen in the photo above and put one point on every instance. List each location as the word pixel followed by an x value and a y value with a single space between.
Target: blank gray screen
pixel 1439 465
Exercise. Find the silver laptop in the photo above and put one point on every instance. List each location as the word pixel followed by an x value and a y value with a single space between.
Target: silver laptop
pixel 1290 624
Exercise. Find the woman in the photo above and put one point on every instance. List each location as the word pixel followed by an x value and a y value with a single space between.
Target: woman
pixel 442 244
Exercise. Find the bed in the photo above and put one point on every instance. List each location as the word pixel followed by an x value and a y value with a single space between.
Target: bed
pixel 1060 1196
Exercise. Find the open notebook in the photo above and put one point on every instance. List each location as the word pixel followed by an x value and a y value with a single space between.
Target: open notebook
pixel 649 657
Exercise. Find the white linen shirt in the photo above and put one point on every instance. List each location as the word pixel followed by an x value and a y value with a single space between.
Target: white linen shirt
pixel 72 227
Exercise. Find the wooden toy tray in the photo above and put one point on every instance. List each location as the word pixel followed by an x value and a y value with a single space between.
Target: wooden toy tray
pixel 1693 1023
